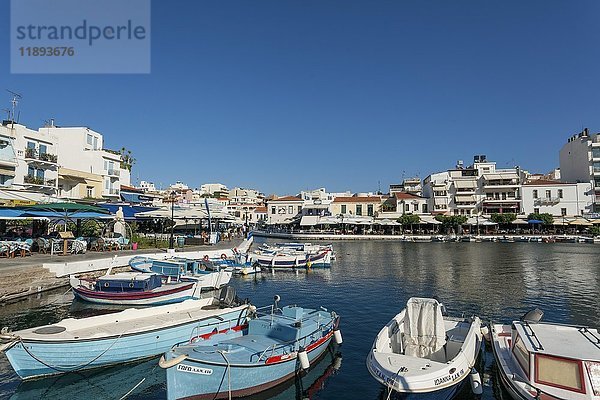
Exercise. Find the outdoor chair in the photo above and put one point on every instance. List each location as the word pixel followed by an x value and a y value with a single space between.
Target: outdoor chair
pixel 5 250
pixel 123 243
pixel 43 245
pixel 25 247
pixel 98 245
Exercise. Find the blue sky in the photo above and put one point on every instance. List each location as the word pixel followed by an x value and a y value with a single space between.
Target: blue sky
pixel 290 95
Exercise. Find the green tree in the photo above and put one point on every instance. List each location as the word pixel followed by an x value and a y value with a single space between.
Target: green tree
pixel 503 218
pixel 451 221
pixel 127 159
pixel 408 219
pixel 547 219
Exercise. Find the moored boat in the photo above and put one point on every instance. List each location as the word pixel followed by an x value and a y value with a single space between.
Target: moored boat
pixel 178 268
pixel 78 344
pixel 423 353
pixel 135 289
pixel 548 361
pixel 239 363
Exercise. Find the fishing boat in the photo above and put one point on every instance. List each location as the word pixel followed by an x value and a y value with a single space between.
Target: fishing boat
pixel 425 354
pixel 79 344
pixel 135 289
pixel 538 360
pixel 293 259
pixel 182 268
pixel 237 363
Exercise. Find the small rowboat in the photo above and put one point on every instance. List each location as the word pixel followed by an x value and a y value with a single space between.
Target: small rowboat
pixel 134 288
pixel 423 353
pixel 272 349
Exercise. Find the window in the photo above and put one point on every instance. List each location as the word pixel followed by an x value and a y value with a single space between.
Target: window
pixel 559 372
pixel 521 354
pixel 536 210
pixel 416 207
pixel 535 194
pixel 43 149
pixel 90 191
pixel 370 210
pixel 299 209
pixel 90 139
pixel 30 171
pixel 407 207
pixel 548 194
pixel 273 210
pixel 596 167
pixel 563 211
pixel 343 209
pixel 560 193
pixel 596 152
pixel 424 208
pixel 30 145
pixel 359 209
pixel 290 209
pixel 40 173
pixel 95 143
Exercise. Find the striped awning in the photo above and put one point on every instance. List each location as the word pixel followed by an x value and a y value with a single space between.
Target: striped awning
pixel 464 198
pixel 467 184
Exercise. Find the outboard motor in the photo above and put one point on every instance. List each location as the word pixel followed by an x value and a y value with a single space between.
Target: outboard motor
pixel 276 299
pixel 442 306
pixel 533 316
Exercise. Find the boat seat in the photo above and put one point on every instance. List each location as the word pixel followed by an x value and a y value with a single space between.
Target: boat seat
pixel 424 329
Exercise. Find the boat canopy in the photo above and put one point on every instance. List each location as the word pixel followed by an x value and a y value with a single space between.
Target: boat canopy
pixel 424 331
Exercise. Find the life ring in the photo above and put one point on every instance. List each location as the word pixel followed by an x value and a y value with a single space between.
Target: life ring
pixel 223 256
pixel 205 258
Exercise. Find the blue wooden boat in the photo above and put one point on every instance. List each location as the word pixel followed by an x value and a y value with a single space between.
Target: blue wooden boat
pixel 183 267
pixel 135 289
pixel 272 350
pixel 79 344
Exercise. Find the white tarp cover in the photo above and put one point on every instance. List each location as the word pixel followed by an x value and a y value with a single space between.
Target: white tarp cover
pixel 424 331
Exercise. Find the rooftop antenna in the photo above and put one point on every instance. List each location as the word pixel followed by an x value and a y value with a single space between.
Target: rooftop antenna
pixel 15 100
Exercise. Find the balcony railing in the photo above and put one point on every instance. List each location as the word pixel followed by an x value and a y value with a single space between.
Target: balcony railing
pixel 113 172
pixel 546 200
pixel 46 157
pixel 34 180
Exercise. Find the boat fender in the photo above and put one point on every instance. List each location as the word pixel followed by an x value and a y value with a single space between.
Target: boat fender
pixel 171 363
pixel 235 250
pixel 223 256
pixel 337 336
pixel 303 357
pixel 205 258
pixel 485 331
pixel 476 385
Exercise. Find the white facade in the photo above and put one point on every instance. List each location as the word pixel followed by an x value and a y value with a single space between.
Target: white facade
pixel 147 186
pixel 82 149
pixel 580 162
pixel 212 188
pixel 557 198
pixel 478 189
pixel 283 209
pixel 244 196
pixel 409 185
pixel 28 160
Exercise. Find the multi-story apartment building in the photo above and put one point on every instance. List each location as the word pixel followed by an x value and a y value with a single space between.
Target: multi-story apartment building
pixel 28 164
pixel 214 190
pixel 409 185
pixel 478 189
pixel 580 162
pixel 557 198
pixel 87 169
pixel 356 205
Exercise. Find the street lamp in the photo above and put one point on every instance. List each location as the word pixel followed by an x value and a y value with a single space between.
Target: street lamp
pixel 172 197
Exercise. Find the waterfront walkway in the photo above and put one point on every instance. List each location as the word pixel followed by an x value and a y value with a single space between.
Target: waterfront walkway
pixel 23 276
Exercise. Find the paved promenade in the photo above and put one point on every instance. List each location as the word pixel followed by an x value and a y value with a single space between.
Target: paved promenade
pixel 23 276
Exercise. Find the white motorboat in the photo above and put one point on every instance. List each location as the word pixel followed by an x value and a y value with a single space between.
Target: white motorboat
pixel 547 361
pixel 423 353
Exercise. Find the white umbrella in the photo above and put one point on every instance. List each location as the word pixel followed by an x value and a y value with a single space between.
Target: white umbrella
pixel 119 226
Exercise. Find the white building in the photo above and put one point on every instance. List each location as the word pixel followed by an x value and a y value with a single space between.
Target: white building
pixel 244 196
pixel 580 162
pixel 478 189
pixel 87 169
pixel 214 189
pixel 409 185
pixel 557 198
pixel 283 210
pixel 147 186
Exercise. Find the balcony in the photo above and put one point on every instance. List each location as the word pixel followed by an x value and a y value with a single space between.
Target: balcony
pixel 32 156
pixel 545 201
pixel 113 172
pixel 502 199
pixel 110 192
pixel 36 181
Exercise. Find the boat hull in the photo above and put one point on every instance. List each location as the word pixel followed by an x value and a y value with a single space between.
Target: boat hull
pixel 152 298
pixel 37 358
pixel 205 382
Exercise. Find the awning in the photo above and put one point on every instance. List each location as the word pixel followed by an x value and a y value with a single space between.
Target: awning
pixel 7 171
pixel 519 221
pixel 128 211
pixel 134 197
pixel 440 200
pixel 309 220
pixel 580 222
pixel 428 219
pixel 503 176
pixel 464 198
pixel 469 184
pixel 72 216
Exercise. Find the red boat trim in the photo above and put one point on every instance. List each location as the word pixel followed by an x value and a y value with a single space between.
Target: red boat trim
pixel 287 357
pixel 129 295
pixel 236 328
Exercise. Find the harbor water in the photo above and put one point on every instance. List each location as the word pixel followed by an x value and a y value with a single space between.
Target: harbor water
pixel 367 285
